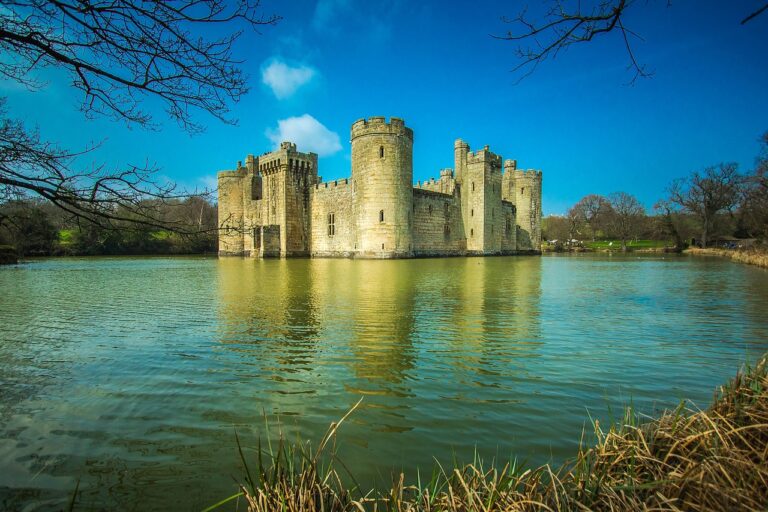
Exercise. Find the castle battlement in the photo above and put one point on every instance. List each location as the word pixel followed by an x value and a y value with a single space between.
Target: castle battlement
pixel 276 205
pixel 484 155
pixel 528 173
pixel 377 125
pixel 332 184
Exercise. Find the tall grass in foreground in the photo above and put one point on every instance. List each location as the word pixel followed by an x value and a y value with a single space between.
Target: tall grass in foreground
pixel 684 460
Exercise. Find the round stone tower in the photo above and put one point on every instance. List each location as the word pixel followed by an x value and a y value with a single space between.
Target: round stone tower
pixel 528 203
pixel 382 172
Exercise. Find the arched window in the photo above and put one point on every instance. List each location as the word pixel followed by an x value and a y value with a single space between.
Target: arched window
pixel 522 190
pixel 381 151
pixel 381 215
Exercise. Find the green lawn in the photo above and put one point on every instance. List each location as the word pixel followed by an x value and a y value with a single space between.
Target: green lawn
pixel 615 245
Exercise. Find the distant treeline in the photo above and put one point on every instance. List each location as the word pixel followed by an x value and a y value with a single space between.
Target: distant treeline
pixel 35 227
pixel 705 207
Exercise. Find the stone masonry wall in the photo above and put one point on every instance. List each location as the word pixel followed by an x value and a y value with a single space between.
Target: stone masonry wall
pixel 382 174
pixel 508 227
pixel 334 197
pixel 230 212
pixel 437 225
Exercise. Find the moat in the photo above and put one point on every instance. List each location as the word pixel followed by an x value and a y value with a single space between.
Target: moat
pixel 132 374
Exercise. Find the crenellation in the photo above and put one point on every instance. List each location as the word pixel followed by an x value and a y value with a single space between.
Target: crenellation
pixel 484 205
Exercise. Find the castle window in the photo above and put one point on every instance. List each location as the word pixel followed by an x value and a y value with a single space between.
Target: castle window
pixel 472 212
pixel 381 151
pixel 472 232
pixel 430 209
pixel 508 227
pixel 473 186
pixel 382 247
pixel 522 190
pixel 447 231
pixel 447 211
pixel 381 215
pixel 331 224
pixel 493 211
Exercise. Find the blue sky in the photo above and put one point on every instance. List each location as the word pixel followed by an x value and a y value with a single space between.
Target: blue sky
pixel 435 64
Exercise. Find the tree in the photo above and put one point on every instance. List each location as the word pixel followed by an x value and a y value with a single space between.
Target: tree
pixel 626 216
pixel 754 208
pixel 569 22
pixel 707 194
pixel 555 227
pixel 27 227
pixel 670 222
pixel 118 53
pixel 592 209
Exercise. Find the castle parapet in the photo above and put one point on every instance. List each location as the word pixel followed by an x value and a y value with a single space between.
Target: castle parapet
pixel 484 155
pixel 528 173
pixel 378 125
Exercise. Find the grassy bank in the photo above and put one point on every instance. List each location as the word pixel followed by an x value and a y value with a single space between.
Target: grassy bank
pixel 632 245
pixel 683 460
pixel 757 257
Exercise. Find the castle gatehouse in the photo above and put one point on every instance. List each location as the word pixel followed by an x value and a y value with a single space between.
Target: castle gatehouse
pixel 276 205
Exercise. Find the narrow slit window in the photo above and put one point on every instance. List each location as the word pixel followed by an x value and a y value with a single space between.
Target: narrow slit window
pixel 381 215
pixel 471 232
pixel 473 186
pixel 381 151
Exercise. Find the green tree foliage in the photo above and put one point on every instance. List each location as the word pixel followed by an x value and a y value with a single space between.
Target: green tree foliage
pixel 35 227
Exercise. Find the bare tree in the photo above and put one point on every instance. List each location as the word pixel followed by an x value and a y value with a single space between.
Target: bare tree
pixel 754 208
pixel 670 221
pixel 707 194
pixel 575 222
pixel 569 22
pixel 593 210
pixel 118 53
pixel 626 216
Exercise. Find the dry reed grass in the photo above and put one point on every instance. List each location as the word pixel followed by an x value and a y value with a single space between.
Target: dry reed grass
pixel 758 257
pixel 684 460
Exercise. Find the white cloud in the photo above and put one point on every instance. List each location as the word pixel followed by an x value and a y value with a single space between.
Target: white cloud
pixel 308 133
pixel 284 79
pixel 328 11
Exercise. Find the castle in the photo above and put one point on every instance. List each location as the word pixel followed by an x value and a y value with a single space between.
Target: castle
pixel 277 205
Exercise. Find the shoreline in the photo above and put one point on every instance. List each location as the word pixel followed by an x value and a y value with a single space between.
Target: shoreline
pixel 684 459
pixel 749 256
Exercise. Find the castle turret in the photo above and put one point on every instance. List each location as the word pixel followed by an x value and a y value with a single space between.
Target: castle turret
pixel 460 150
pixel 382 172
pixel 528 202
pixel 231 212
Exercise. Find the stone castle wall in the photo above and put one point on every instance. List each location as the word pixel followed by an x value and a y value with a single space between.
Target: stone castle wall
pixel 277 205
pixel 437 225
pixel 335 239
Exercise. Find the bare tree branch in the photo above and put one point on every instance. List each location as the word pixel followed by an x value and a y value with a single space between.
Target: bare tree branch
pixel 121 52
pixel 570 22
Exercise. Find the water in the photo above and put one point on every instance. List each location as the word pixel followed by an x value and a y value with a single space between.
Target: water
pixel 132 374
